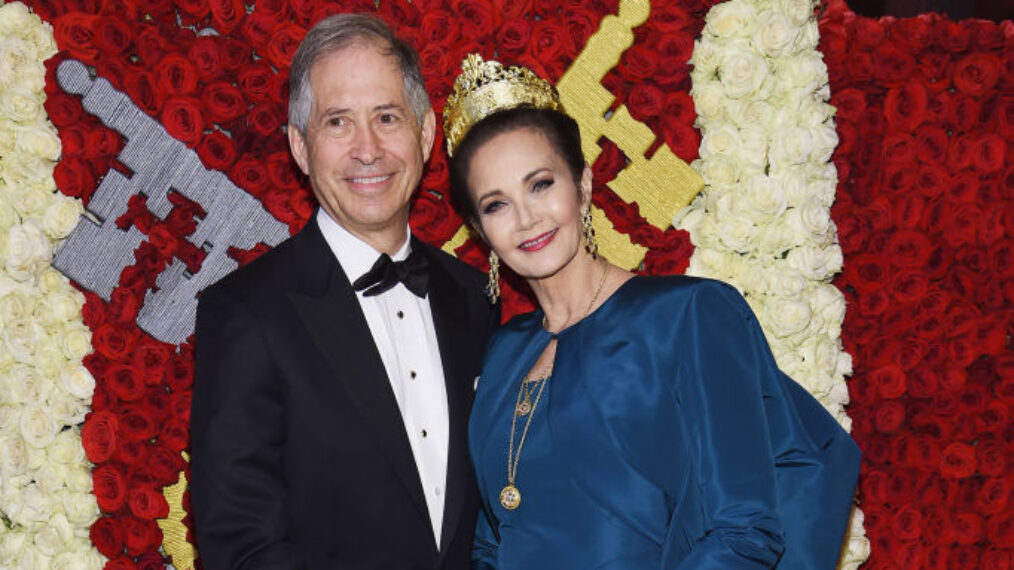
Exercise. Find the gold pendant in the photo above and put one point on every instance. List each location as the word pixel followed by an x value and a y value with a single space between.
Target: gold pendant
pixel 510 497
pixel 523 408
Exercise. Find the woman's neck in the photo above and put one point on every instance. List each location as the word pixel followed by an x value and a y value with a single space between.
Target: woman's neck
pixel 571 293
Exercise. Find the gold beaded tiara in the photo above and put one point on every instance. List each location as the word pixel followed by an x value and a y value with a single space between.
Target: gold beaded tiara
pixel 485 87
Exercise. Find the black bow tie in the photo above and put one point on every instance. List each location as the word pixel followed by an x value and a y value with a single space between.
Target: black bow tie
pixel 385 274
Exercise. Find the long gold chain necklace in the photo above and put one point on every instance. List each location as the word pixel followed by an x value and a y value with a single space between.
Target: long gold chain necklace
pixel 510 496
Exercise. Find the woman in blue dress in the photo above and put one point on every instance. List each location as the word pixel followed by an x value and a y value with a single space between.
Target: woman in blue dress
pixel 630 422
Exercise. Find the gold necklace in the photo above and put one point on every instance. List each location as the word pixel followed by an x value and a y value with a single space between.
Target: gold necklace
pixel 510 496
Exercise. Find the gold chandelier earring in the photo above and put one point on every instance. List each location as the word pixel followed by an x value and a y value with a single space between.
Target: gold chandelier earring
pixel 588 233
pixel 493 287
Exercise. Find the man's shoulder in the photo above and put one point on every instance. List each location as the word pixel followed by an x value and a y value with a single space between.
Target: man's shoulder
pixel 269 272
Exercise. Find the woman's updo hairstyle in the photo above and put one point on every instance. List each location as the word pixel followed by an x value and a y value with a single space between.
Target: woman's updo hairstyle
pixel 560 130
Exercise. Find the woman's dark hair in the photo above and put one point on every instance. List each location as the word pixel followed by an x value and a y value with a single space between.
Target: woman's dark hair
pixel 559 129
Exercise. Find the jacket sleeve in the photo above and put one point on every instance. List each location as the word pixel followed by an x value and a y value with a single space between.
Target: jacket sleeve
pixel 484 550
pixel 720 388
pixel 237 429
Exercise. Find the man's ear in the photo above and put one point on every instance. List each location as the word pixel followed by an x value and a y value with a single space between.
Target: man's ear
pixel 429 132
pixel 297 144
pixel 586 187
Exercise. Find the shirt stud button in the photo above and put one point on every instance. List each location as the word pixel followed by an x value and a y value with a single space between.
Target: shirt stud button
pixel 401 315
pixel 424 434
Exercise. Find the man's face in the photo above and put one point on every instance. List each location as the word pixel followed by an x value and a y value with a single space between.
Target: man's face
pixel 364 148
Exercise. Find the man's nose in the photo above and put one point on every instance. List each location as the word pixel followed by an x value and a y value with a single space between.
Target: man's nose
pixel 366 145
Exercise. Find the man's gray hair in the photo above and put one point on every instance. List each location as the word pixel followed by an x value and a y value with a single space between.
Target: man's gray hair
pixel 338 32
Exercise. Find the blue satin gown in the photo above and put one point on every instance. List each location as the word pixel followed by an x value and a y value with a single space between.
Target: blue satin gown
pixel 665 438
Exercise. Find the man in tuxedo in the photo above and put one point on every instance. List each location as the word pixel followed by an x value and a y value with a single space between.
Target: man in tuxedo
pixel 335 373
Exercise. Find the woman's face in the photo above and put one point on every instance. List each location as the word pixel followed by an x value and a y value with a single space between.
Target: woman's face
pixel 527 202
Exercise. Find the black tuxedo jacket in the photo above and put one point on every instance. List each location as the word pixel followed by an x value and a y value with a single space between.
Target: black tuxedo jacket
pixel 300 458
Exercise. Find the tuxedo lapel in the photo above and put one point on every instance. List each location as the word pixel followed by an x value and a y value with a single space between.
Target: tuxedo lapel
pixel 328 308
pixel 450 320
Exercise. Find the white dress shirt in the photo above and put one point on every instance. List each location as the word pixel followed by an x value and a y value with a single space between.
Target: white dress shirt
pixel 402 327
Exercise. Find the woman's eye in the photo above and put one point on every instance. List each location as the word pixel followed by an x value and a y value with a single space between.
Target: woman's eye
pixel 542 184
pixel 491 207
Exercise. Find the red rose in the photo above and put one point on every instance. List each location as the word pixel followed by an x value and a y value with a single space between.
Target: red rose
pixel 549 41
pixel 255 81
pixel 183 120
pixel 433 219
pixel 991 457
pixel 958 461
pixel 995 559
pixel 1000 529
pixel 477 17
pixel 441 27
pixel 283 44
pixel 133 452
pixel 434 60
pixel 890 381
pixel 906 524
pixel 151 360
pixel 924 453
pixel 65 110
pixel 859 65
pixel 123 381
pixel 142 90
pixel 963 113
pixel 164 465
pixel 135 425
pixel 74 177
pixel 249 174
pixel 226 15
pixel 98 435
pixel 889 415
pixel 867 34
pixel 176 74
pixel 101 141
pixel 74 32
pixel 930 180
pixel 867 272
pixel 223 101
pixel 645 102
pixel 264 119
pixel 514 8
pixel 113 36
pixel 512 37
pixel 989 155
pixel 639 63
pixel 175 434
pixel 194 9
pixel 217 151
pixel 147 503
pixel 72 139
pixel 580 25
pixel 140 535
pixel 931 142
pixel 892 66
pixel 955 37
pixel 683 139
pixel 109 487
pixel 905 105
pixel 113 341
pixel 107 536
pixel 151 560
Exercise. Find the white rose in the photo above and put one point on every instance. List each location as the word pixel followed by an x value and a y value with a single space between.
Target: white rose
pixel 27 384
pixel 80 507
pixel 776 34
pixel 13 455
pixel 825 140
pixel 742 73
pixel 730 20
pixel 844 365
pixel 51 477
pixel 61 217
pixel 52 281
pixel 49 358
pixel 79 479
pixel 38 427
pixel 705 59
pixel 783 283
pixel 752 151
pixel 14 57
pixel 83 559
pixel 8 416
pixel 48 539
pixel 765 196
pixel 33 559
pixel 66 448
pixel 75 342
pixel 737 232
pixel 785 317
pixel 20 338
pixel 45 43
pixel 78 381
pixel 790 146
pixel 839 396
pixel 28 251
pixel 719 170
pixel 749 275
pixel 32 507
pixel 37 141
pixel 61 307
pixel 8 215
pixel 719 138
pixel 829 302
pixel 20 105
pixel 11 542
pixel 15 19
pixel 816 221
pixel 817 263
pixel 809 36
pixel 755 114
pixel 811 110
pixel 31 202
pixel 774 238
pixel 706 236
pixel 66 409
pixel 688 217
pixel 709 98
pixel 804 71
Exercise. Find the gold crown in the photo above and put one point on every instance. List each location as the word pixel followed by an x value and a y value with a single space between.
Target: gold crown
pixel 485 87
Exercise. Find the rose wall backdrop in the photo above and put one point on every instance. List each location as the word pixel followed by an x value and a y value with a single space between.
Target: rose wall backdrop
pixel 906 169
